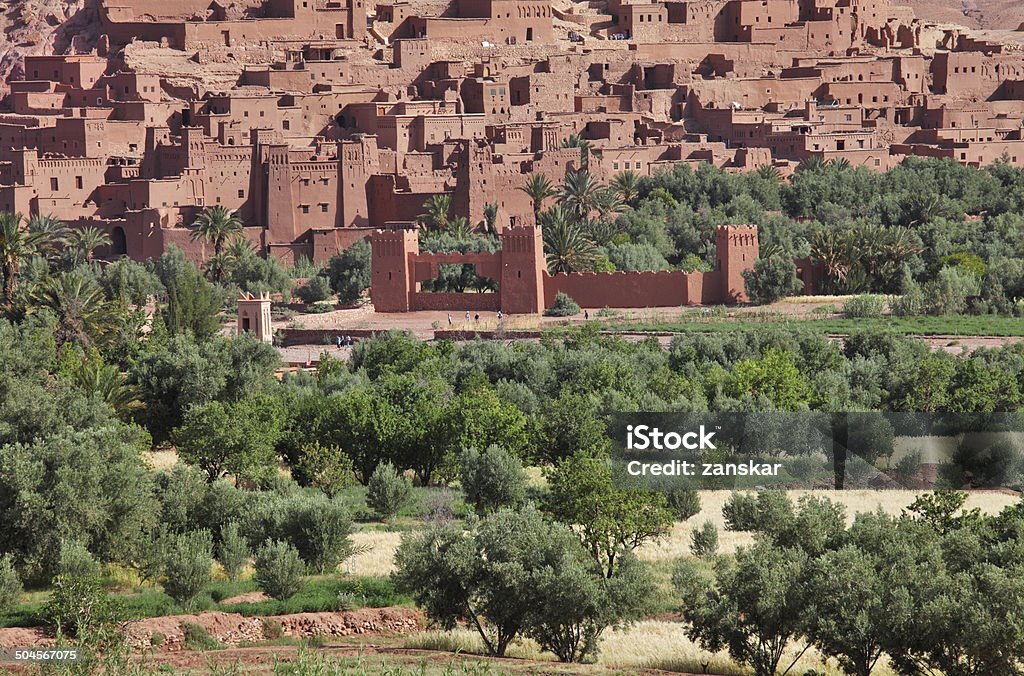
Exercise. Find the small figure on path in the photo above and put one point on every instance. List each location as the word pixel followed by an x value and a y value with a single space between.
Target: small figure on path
pixel 449 319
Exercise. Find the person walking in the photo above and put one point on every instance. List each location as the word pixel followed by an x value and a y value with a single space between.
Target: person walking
pixel 586 315
pixel 449 319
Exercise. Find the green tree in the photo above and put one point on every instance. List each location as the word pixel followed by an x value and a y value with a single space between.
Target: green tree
pixel 10 585
pixel 85 241
pixel 626 185
pixel 216 225
pixel 237 438
pixel 538 187
pixel 579 194
pixel 193 305
pixel 83 314
pixel 437 210
pixel 233 551
pixel 278 570
pixel 566 244
pixel 188 567
pixel 325 467
pixel 610 521
pixel 492 479
pixel 349 272
pixel 387 491
pixel 753 606
pixel 16 245
pixel 771 279
pixel 775 377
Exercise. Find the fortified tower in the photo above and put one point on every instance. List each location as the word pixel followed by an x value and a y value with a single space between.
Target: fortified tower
pixel 736 249
pixel 254 316
pixel 522 264
pixel 391 277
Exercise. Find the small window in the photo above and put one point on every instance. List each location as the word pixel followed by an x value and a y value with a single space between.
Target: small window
pixel 78 182
pixel 54 184
pixel 241 194
pixel 305 208
pixel 323 207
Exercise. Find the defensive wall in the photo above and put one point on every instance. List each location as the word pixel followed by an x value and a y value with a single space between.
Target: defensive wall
pixel 525 286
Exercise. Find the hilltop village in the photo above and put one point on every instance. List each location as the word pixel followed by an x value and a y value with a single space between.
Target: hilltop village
pixel 321 120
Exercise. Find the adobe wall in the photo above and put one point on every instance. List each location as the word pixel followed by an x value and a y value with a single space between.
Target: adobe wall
pixel 457 302
pixel 619 289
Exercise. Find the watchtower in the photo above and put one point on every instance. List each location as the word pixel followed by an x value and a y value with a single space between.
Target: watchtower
pixel 391 277
pixel 254 316
pixel 522 265
pixel 736 249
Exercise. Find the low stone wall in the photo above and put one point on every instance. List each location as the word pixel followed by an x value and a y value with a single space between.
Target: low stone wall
pixel 290 337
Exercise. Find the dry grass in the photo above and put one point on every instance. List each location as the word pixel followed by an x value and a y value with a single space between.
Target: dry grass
pixel 677 543
pixel 468 641
pixel 161 461
pixel 377 553
pixel 665 645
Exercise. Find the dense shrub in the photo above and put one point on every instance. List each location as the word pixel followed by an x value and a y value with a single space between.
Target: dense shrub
pixel 684 502
pixel 315 289
pixel 278 569
pixel 188 566
pixel 349 272
pixel 10 584
pixel 866 306
pixel 771 279
pixel 492 479
pixel 563 306
pixel 704 541
pixel 233 551
pixel 388 491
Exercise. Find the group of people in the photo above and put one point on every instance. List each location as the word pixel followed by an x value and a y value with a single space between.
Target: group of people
pixel 343 341
pixel 474 318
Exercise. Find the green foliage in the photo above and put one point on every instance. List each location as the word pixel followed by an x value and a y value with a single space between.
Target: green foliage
pixel 947 294
pixel 76 561
pixel 78 605
pixel 753 607
pixel 198 638
pixel 188 567
pixel 684 502
pixel 237 438
pixel 10 584
pixel 771 279
pixel 319 528
pixel 609 521
pixel 316 289
pixel 233 551
pixel 387 491
pixel 278 569
pixel 704 541
pixel 325 467
pixel 563 306
pixel 193 305
pixel 492 479
pixel 349 272
pixel 864 306
pixel 91 483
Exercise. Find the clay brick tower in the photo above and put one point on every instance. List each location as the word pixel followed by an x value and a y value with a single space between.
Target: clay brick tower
pixel 522 264
pixel 736 249
pixel 254 316
pixel 391 277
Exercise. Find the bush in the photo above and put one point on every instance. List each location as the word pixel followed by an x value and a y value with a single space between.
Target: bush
pixel 704 541
pixel 76 561
pixel 198 639
pixel 763 512
pixel 947 294
pixel 279 569
pixel 157 638
pixel 563 306
pixel 387 491
pixel 314 290
pixel 438 507
pixel 233 551
pixel 684 502
pixel 771 279
pixel 10 584
pixel 187 567
pixel 349 272
pixel 864 307
pixel 492 479
pixel 79 604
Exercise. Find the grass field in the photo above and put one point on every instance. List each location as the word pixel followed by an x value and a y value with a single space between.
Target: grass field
pixel 968 325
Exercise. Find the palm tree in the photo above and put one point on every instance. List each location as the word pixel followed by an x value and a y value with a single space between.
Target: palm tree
pixel 437 208
pixel 107 384
pixel 770 173
pixel 539 187
pixel 84 316
pixel 813 163
pixel 490 217
pixel 586 148
pixel 459 228
pixel 216 225
pixel 579 192
pixel 566 243
pixel 830 249
pixel 16 244
pixel 607 203
pixel 626 185
pixel 87 240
